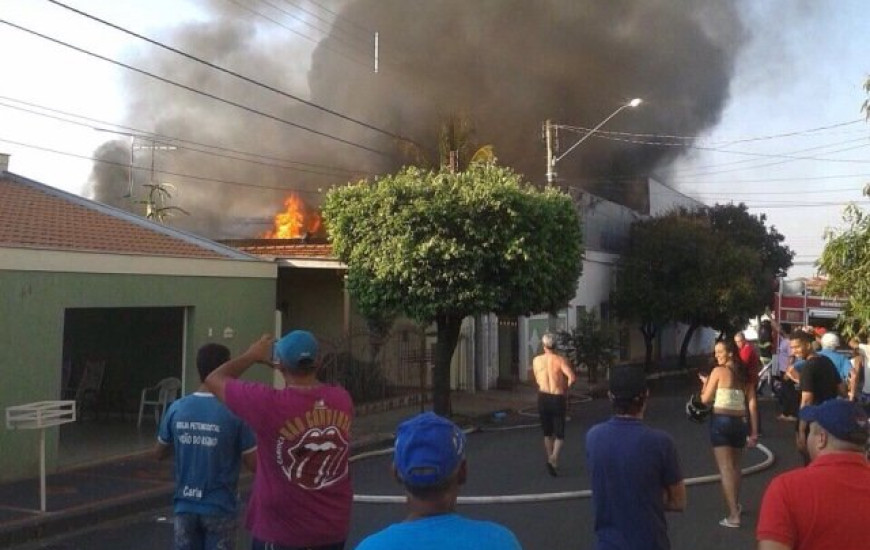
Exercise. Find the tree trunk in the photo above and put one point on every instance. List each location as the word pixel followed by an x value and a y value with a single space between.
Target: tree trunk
pixel 448 335
pixel 684 347
pixel 649 332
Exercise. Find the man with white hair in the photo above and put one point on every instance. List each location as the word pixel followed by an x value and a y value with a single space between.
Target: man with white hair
pixel 830 343
pixel 554 376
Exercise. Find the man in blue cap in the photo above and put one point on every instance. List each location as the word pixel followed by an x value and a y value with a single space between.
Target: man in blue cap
pixel 825 504
pixel 302 492
pixel 429 460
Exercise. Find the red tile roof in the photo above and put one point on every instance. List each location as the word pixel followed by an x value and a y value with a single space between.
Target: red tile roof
pixel 284 248
pixel 33 215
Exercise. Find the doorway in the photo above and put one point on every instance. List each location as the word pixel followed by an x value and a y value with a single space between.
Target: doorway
pixel 109 356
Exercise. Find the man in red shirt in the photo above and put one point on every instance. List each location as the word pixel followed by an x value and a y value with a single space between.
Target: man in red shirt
pixel 822 506
pixel 749 357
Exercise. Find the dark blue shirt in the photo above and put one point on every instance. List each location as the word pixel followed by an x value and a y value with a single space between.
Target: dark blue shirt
pixel 630 465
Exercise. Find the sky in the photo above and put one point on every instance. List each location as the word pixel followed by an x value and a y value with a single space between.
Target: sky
pixel 791 142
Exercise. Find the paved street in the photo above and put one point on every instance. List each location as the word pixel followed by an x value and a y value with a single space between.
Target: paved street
pixel 510 462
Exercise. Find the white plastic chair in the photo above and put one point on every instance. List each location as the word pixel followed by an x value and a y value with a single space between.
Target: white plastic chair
pixel 159 396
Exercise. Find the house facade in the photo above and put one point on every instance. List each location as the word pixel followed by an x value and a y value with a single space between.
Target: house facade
pixel 606 226
pixel 84 284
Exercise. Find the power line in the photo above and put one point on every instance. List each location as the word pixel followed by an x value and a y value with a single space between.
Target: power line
pixel 732 141
pixel 756 156
pixel 232 73
pixel 339 17
pixel 294 31
pixel 336 18
pixel 200 92
pixel 743 193
pixel 775 180
pixel 329 170
pixel 309 24
pixel 159 171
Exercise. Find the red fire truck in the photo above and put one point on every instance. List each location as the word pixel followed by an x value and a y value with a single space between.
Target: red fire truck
pixel 799 302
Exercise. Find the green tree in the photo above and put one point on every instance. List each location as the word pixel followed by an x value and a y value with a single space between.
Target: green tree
pixel 438 246
pixel 846 262
pixel 846 259
pixel 661 270
pixel 712 267
pixel 747 258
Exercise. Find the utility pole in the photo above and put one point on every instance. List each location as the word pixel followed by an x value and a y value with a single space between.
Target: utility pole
pixel 548 137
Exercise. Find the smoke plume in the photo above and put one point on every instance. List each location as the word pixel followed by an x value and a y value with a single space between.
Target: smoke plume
pixel 502 67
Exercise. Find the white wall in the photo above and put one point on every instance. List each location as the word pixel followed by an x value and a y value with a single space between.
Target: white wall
pixel 663 199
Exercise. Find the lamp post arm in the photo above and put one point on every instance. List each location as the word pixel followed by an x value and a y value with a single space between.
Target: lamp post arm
pixel 589 133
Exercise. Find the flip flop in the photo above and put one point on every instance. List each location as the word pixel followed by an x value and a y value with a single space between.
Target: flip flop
pixel 725 522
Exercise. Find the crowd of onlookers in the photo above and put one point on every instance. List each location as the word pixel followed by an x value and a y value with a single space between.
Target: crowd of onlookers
pixel 296 439
pixel 783 368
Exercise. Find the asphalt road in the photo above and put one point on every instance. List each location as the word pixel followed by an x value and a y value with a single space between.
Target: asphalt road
pixel 511 462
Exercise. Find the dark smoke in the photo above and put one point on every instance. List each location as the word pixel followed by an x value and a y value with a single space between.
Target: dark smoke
pixel 502 66
pixel 110 180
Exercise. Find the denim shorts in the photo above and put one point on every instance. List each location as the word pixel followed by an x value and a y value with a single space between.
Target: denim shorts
pixel 195 531
pixel 728 431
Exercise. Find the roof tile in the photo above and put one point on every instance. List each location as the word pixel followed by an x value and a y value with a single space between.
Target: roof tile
pixel 33 215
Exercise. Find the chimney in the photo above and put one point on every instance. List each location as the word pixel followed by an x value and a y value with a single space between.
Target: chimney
pixel 4 162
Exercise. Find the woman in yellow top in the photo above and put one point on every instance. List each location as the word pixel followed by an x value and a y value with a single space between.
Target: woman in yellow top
pixel 728 390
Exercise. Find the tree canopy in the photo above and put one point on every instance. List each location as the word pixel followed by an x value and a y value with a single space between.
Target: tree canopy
pixel 441 245
pixel 712 267
pixel 846 262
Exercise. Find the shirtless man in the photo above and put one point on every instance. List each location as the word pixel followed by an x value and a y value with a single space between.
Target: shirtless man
pixel 554 376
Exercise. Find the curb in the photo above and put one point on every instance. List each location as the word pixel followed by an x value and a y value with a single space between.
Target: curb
pixel 41 526
pixel 50 524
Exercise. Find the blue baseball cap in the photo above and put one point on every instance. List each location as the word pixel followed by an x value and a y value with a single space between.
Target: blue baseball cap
pixel 429 449
pixel 294 347
pixel 843 419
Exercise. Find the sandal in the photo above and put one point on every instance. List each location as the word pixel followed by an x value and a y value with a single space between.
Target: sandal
pixel 725 522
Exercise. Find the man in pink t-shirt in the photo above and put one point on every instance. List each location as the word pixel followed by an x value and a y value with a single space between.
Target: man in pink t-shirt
pixel 302 491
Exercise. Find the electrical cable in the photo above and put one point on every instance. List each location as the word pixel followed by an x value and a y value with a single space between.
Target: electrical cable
pixel 144 134
pixel 196 91
pixel 359 30
pixel 305 22
pixel 732 141
pixel 233 73
pixel 159 171
pixel 296 32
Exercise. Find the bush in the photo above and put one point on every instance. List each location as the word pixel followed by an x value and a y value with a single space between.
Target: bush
pixel 589 344
pixel 363 380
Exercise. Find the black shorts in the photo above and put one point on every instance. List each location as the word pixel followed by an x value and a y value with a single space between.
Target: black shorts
pixel 552 409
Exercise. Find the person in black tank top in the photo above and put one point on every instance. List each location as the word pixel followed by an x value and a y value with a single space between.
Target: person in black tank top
pixel 819 382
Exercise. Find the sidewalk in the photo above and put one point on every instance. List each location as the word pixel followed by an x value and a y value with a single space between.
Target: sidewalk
pixel 86 496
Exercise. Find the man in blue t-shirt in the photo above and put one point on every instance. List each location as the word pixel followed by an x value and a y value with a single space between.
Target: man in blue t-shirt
pixel 429 460
pixel 210 443
pixel 830 343
pixel 634 470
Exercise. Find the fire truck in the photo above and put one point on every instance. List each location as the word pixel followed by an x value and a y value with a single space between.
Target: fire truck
pixel 799 302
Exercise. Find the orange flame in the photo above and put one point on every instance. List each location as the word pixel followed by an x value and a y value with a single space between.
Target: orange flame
pixel 296 220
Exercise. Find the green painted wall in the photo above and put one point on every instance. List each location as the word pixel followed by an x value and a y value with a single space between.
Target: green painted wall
pixel 33 307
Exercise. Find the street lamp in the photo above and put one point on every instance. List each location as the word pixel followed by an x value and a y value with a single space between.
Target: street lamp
pixel 552 160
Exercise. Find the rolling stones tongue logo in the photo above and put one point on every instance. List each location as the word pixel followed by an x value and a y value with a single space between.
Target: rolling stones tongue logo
pixel 317 460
